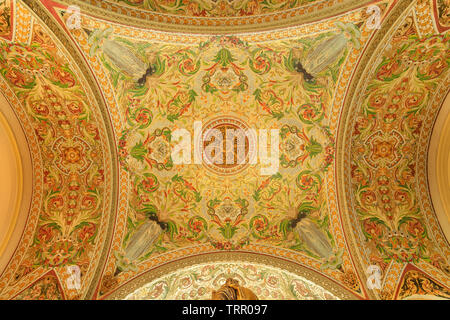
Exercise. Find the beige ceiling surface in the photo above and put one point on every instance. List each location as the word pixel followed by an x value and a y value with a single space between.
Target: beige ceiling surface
pixel 354 105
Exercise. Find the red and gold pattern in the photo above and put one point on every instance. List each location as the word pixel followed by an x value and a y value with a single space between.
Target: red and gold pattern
pixel 443 13
pixel 416 284
pixel 384 142
pixel 72 149
pixel 6 18
pixel 253 78
pixel 46 288
pixel 211 80
pixel 213 8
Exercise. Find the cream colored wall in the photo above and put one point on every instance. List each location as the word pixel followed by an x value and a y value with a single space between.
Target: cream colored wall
pixel 15 182
pixel 439 167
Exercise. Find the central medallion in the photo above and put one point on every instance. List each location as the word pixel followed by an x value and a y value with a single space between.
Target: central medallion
pixel 228 144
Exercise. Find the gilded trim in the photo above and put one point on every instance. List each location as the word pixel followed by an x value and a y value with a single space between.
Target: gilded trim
pixel 292 267
pixel 19 180
pixel 207 25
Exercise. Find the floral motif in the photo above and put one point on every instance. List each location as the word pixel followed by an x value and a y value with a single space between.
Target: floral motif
pixel 385 139
pixel 46 288
pixel 214 8
pixel 69 140
pixel 384 149
pixel 416 283
pixel 443 7
pixel 217 77
pixel 198 281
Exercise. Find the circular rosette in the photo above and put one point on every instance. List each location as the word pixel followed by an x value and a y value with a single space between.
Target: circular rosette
pixel 187 67
pixel 197 225
pixel 260 63
pixel 141 118
pixel 149 183
pixel 259 225
pixel 309 181
pixel 310 114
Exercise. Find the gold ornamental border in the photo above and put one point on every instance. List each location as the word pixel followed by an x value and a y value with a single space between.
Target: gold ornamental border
pixel 134 17
pixel 75 56
pixel 152 274
pixel 423 170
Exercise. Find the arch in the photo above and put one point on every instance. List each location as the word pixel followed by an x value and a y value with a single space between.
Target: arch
pixel 354 101
pixel 231 257
pixel 16 185
pixel 439 167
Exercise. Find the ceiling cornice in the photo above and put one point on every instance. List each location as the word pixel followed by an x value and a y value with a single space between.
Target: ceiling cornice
pixel 134 17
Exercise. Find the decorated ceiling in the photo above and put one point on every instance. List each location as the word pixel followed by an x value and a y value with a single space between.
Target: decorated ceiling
pixel 352 90
pixel 212 8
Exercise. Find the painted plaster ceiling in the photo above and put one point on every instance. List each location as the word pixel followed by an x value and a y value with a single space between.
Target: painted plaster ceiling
pixel 212 8
pixel 354 105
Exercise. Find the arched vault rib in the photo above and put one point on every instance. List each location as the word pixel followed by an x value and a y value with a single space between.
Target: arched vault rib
pixel 352 230
pixel 223 257
pixel 58 31
pixel 372 210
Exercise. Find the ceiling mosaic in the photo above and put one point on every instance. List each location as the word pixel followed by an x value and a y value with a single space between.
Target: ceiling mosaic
pixel 352 108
